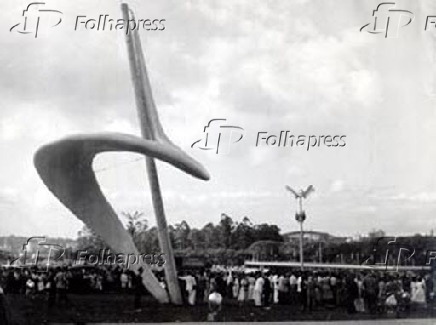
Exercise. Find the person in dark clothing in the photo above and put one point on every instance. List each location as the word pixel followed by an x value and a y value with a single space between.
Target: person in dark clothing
pixel 303 294
pixel 51 287
pixel 267 290
pixel 182 286
pixel 10 286
pixel 291 297
pixel 429 288
pixel 352 293
pixel 370 294
pixel 61 286
pixel 220 285
pixel 3 314
pixel 201 287
pixel 138 288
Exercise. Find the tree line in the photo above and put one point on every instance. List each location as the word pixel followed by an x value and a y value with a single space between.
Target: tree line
pixel 227 234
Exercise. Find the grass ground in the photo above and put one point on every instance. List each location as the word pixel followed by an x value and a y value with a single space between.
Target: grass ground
pixel 116 308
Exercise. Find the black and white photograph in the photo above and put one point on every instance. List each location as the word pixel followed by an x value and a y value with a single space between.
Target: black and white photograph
pixel 218 161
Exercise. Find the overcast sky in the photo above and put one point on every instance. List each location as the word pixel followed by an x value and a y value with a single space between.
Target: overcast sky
pixel 268 66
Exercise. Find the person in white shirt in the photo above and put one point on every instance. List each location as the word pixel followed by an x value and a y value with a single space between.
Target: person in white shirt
pixel 243 290
pixel 124 278
pixel 251 282
pixel 235 288
pixel 300 294
pixel 293 288
pixel 333 286
pixel 299 284
pixel 275 283
pixel 190 288
pixel 258 288
pixel 281 289
pixel 215 300
pixel 418 294
pixel 40 284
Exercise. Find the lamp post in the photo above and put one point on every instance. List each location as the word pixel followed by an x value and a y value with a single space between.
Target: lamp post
pixel 300 214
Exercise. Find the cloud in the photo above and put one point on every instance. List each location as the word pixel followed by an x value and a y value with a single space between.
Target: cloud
pixel 337 186
pixel 265 66
pixel 422 197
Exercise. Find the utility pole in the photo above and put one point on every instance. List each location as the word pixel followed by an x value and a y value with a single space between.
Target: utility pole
pixel 300 215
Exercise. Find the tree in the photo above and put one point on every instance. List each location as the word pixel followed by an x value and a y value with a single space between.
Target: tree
pixel 135 222
pixel 243 235
pixel 150 241
pixel 137 227
pixel 198 239
pixel 376 233
pixel 212 236
pixel 267 232
pixel 88 240
pixel 182 235
pixel 226 229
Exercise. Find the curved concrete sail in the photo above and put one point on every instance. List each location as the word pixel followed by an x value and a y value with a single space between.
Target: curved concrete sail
pixel 65 167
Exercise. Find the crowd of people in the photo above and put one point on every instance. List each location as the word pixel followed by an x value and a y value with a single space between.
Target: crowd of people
pixel 373 292
pixel 355 291
pixel 56 283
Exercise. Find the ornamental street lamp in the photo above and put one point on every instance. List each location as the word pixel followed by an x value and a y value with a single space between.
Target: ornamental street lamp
pixel 300 214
